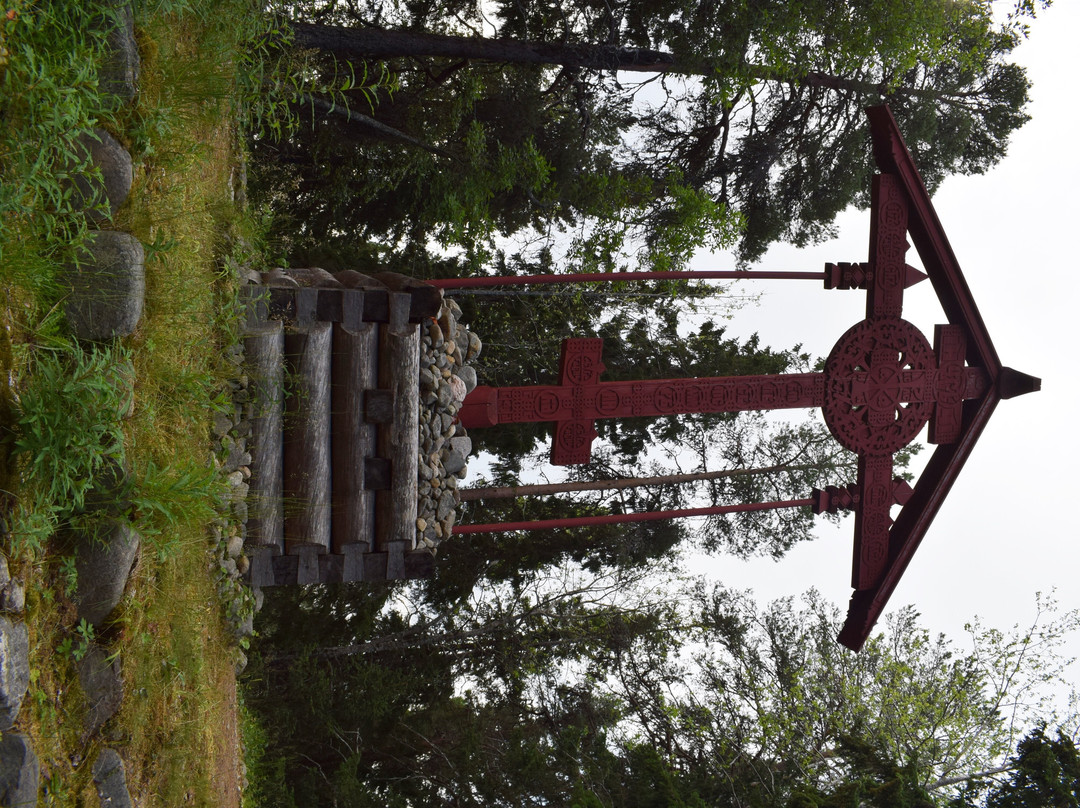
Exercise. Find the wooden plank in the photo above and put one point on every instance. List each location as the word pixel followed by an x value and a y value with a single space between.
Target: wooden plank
pixel 264 356
pixel 281 302
pixel 307 301
pixel 354 371
pixel 261 572
pixel 375 566
pixel 331 568
pixel 393 564
pixel 353 566
pixel 376 302
pixel 285 567
pixel 307 563
pixel 306 450
pixel 399 369
pixel 345 306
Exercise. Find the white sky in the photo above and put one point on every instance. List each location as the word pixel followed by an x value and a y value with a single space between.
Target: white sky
pixel 1008 528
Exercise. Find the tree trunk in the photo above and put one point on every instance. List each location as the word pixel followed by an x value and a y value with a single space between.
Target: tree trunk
pixel 378 43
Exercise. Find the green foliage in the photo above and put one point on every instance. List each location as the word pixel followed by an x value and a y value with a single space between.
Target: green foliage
pixel 68 458
pixel 69 423
pixel 495 153
pixel 77 643
pixel 759 123
pixel 611 690
pixel 1043 773
pixel 69 442
pixel 275 86
pixel 69 574
pixel 48 98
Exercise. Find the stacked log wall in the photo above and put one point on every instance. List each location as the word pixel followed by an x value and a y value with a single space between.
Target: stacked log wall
pixel 335 364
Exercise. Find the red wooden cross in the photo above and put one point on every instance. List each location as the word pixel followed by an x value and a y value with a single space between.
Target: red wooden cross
pixel 881 384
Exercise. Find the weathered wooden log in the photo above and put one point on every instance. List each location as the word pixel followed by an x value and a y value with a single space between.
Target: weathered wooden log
pixel 398 441
pixel 307 304
pixel 377 475
pixel 286 570
pixel 426 299
pixel 351 279
pixel 306 452
pixel 352 568
pixel 355 371
pixel 310 276
pixel 307 563
pixel 264 355
pixel 261 559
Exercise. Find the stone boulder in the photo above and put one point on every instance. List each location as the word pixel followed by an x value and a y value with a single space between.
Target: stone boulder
pixel 110 778
pixel 103 561
pixel 14 669
pixel 12 597
pixel 458 389
pixel 19 772
pixel 107 289
pixel 467 374
pixel 458 456
pixel 119 74
pixel 12 593
pixel 103 686
pixel 114 184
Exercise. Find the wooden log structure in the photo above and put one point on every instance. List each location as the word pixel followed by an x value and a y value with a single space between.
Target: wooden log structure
pixel 399 373
pixel 335 414
pixel 264 349
pixel 354 376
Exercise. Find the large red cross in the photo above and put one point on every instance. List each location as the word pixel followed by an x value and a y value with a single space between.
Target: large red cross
pixel 881 384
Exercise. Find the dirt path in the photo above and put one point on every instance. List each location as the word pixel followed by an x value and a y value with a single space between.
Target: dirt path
pixel 227 778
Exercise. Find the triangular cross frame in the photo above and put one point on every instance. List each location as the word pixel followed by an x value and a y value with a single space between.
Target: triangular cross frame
pixel 924 228
pixel 881 383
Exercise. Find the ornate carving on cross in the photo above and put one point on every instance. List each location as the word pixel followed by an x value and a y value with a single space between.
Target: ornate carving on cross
pixel 881 384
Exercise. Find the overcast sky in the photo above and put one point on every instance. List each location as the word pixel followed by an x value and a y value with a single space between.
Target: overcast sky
pixel 1008 528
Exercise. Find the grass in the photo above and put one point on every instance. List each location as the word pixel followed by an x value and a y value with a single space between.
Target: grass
pixel 62 406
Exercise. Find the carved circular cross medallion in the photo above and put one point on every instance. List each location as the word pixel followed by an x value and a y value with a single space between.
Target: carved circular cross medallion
pixel 582 369
pixel 879 382
pixel 575 435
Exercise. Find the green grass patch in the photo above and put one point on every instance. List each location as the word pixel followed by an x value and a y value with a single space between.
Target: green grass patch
pixel 70 412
